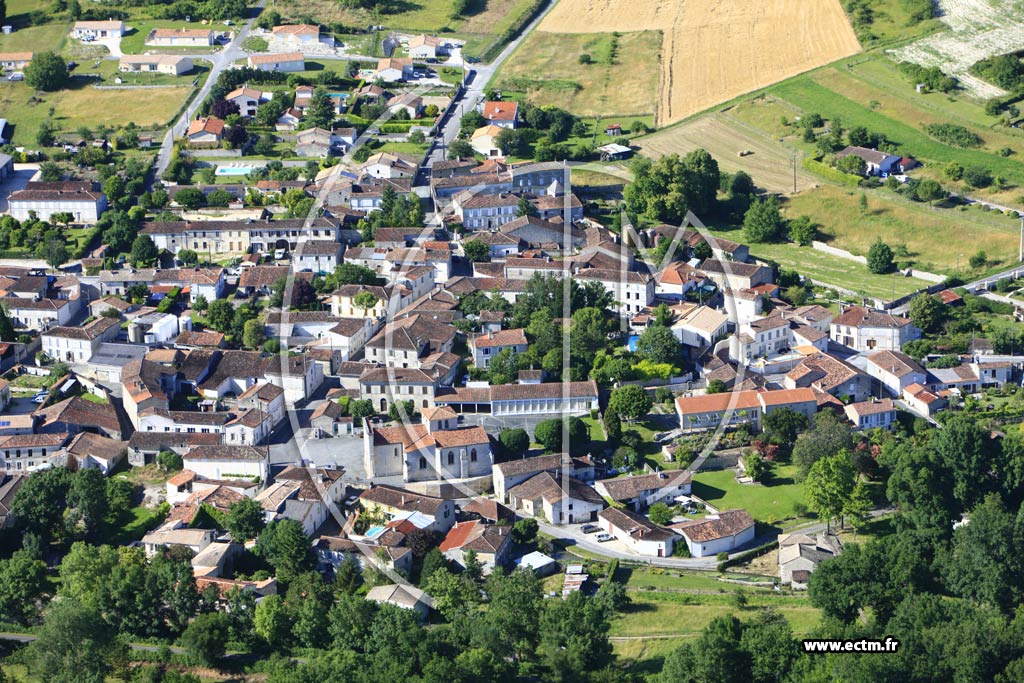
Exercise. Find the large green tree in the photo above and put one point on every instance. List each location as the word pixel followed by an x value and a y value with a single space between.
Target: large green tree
pixel 829 485
pixel 630 402
pixel 74 646
pixel 47 72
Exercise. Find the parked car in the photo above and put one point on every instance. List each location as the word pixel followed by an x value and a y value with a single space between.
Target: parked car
pixel 40 398
pixel 589 528
pixel 603 537
pixel 16 76
pixel 279 254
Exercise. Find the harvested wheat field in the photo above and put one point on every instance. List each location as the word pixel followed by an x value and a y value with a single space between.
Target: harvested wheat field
pixel 715 50
pixel 769 163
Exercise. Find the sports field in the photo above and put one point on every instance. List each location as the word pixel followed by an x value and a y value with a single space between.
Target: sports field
pixel 712 50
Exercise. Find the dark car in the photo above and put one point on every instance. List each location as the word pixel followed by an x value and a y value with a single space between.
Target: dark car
pixel 589 528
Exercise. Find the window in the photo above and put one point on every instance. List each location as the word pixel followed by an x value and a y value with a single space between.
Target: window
pixel 423 463
pixel 451 457
pixel 472 455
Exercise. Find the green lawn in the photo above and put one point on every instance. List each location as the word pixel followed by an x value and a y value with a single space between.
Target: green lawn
pixel 831 270
pixel 35 38
pixel 664 579
pixel 131 525
pixel 770 503
pixel 134 43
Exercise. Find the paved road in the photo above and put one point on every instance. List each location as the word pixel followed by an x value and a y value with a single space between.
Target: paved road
pixel 220 60
pixel 474 92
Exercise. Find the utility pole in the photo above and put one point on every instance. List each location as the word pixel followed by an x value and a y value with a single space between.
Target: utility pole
pixel 1020 251
pixel 794 172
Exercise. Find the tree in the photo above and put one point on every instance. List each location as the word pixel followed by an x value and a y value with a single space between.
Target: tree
pixel 272 621
pixel 206 637
pixel 47 72
pixel 365 300
pixel 460 149
pixel 929 190
pixel 660 514
pixel 219 198
pixel 658 345
pixel 190 198
pixel 829 436
pixel 221 315
pixel 244 520
pixel 144 252
pixel 22 578
pixel 762 222
pixel 361 409
pixel 525 531
pixel 400 411
pixel 514 442
pixel 54 252
pixel 857 506
pixel 320 113
pixel 978 259
pixel 453 594
pixel 504 367
pixel 7 333
pixel 169 461
pixel 283 543
pixel 986 561
pixel 525 207
pixel 252 334
pixel 927 313
pixel 352 274
pixel 666 189
pixel 75 645
pixel 40 502
pixel 829 485
pixel 880 258
pixel 802 230
pixel 476 250
pixel 785 424
pixel 189 257
pixel 548 433
pixel 715 386
pixel 756 466
pixel 630 402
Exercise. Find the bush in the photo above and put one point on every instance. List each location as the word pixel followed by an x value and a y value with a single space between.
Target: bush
pixel 977 177
pixel 952 134
pixel 742 558
pixel 829 173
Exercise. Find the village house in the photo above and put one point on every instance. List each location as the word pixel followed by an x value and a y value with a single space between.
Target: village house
pixel 228 462
pixel 410 103
pixel 436 449
pixel 880 414
pixel 205 131
pixel 508 474
pixel 80 198
pixel 78 344
pixel 641 491
pixel 426 47
pixel 875 162
pixel 747 407
pixel 288 62
pixel 895 370
pixel 391 69
pixel 829 375
pixel 484 347
pixel 246 99
pixel 722 532
pixel 388 165
pixel 392 501
pixel 332 551
pixel 492 544
pixel 501 114
pixel 633 291
pixel 403 596
pixel 15 61
pixel 637 532
pixel 30 452
pixel 800 554
pixel 556 498
pixel 97 30
pixel 866 329
pixel 173 65
pixel 298 35
pixel 180 37
pixel 484 141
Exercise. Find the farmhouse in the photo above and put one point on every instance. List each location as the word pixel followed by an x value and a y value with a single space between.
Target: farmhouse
pixel 638 532
pixel 93 30
pixel 163 64
pixel 718 533
pixel 180 37
pixel 875 162
pixel 285 61
pixel 81 198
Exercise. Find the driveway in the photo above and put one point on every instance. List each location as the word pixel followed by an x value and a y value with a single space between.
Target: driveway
pixel 17 181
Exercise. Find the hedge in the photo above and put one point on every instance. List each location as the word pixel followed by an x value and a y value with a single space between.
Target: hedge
pixel 747 556
pixel 834 174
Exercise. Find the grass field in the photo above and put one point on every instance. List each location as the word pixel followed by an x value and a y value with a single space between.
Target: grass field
pixel 87 106
pixel 713 51
pixel 623 80
pixel 831 270
pixel 770 503
pixel 812 96
pixel 34 38
pixel 926 232
pixel 892 23
pixel 770 165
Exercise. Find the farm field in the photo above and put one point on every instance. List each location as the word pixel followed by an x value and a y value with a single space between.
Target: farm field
pixel 976 29
pixel 770 165
pixel 623 80
pixel 87 106
pixel 713 52
pixel 831 270
pixel 926 232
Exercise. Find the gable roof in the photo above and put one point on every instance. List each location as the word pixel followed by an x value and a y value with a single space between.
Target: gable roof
pixel 501 111
pixel 636 526
pixel 724 524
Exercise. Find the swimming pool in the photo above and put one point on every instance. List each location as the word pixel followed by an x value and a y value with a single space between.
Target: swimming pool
pixel 374 531
pixel 234 170
pixel 631 342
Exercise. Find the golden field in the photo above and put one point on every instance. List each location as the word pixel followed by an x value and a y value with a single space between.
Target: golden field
pixel 715 50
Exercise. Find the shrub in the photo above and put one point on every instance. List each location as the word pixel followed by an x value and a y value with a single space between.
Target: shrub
pixel 952 134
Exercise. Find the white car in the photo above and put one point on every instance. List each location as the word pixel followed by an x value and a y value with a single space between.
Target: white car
pixel 603 537
pixel 40 398
pixel 279 254
pixel 16 76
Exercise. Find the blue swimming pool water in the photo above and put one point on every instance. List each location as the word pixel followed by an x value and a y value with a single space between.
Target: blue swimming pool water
pixel 233 170
pixel 631 342
pixel 374 531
